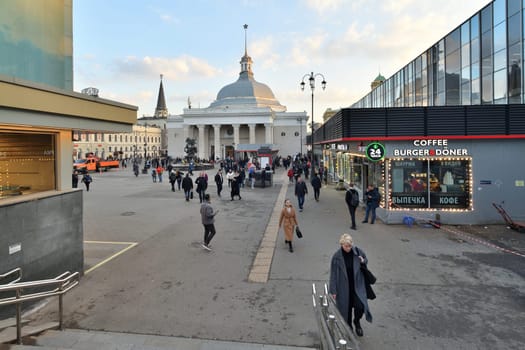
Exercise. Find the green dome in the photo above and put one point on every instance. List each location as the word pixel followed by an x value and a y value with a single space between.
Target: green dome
pixel 380 78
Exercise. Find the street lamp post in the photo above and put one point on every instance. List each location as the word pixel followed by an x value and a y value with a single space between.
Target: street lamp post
pixel 300 120
pixel 145 170
pixel 311 79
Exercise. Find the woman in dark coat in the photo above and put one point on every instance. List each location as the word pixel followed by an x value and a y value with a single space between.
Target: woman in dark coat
pixel 347 284
pixel 236 186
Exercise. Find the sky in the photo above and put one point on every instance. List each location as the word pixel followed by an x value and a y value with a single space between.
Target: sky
pixel 122 47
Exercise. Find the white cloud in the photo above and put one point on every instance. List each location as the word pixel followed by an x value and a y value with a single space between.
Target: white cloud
pixel 321 6
pixel 264 52
pixel 177 69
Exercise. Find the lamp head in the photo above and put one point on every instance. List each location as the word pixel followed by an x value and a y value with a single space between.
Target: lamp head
pixel 323 84
pixel 302 85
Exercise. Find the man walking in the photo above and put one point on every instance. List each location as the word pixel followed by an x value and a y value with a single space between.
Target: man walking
pixel 352 201
pixel 87 180
pixel 219 180
pixel 300 192
pixel 372 202
pixel 208 219
pixel 173 178
pixel 187 186
pixel 202 185
pixel 316 184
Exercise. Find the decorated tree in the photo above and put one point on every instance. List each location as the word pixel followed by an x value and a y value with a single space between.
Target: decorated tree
pixel 190 149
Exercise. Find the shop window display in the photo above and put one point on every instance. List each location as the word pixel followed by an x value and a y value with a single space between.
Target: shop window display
pixel 27 163
pixel 430 184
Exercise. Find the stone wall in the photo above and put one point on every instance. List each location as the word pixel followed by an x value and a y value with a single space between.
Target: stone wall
pixel 43 236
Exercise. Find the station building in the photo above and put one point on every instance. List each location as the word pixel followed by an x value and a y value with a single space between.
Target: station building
pixel 446 133
pixel 244 118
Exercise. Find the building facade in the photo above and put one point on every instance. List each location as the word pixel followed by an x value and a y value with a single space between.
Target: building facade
pixel 144 141
pixel 244 118
pixel 479 62
pixel 444 134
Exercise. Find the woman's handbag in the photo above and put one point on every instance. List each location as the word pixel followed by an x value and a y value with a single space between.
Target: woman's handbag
pixel 369 276
pixel 369 280
pixel 298 232
pixel 369 292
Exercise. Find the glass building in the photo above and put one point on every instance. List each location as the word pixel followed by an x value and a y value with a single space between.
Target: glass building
pixel 480 62
pixel 435 136
pixel 27 53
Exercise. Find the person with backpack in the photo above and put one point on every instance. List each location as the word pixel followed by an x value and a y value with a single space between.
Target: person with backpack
pixel 352 201
pixel 87 180
pixel 154 175
pixel 372 199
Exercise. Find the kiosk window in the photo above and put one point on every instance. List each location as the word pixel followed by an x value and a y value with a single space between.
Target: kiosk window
pixel 27 163
pixel 434 184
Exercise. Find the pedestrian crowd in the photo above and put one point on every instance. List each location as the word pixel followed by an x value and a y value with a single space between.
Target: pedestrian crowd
pixel 348 282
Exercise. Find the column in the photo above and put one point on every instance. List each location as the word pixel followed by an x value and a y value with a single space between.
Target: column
pixel 186 134
pixel 236 134
pixel 217 140
pixel 268 133
pixel 252 133
pixel 201 146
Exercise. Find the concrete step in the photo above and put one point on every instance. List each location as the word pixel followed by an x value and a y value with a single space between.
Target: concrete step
pixel 28 347
pixel 9 322
pixel 81 339
pixel 8 335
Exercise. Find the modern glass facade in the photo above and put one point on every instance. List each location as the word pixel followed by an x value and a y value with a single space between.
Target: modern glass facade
pixel 36 41
pixel 479 62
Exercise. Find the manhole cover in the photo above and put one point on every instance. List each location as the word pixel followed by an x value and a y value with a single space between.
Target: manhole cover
pixel 128 213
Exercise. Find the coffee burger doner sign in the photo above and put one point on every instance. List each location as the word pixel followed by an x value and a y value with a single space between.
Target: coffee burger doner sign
pixel 430 148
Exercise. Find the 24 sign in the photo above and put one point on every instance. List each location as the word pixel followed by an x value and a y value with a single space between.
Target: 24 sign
pixel 375 151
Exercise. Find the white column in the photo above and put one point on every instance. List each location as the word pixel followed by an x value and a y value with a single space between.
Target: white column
pixel 268 133
pixel 217 140
pixel 236 134
pixel 186 133
pixel 201 150
pixel 252 133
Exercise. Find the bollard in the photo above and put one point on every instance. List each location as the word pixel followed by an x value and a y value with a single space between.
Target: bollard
pixel 331 323
pixel 342 344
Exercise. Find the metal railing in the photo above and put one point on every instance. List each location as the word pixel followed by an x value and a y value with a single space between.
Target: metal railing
pixel 35 290
pixel 334 332
pixel 17 271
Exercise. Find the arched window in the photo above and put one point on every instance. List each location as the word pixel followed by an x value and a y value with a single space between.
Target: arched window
pixel 296 133
pixel 283 134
